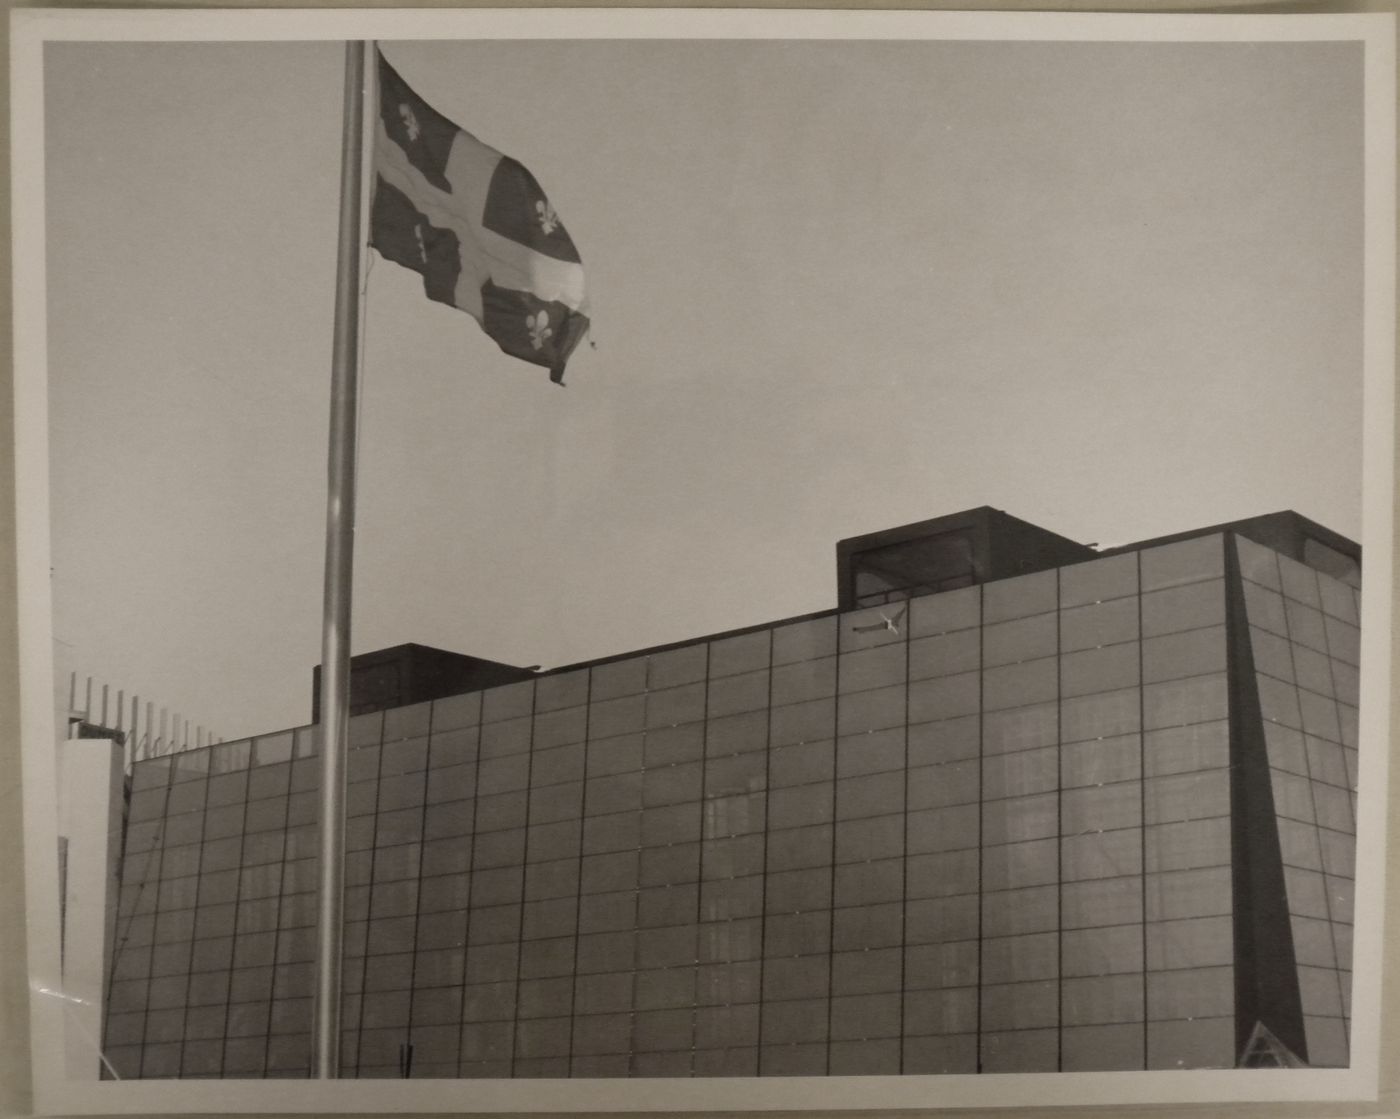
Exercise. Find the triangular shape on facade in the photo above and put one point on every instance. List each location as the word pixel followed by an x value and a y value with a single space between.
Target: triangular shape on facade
pixel 1265 1050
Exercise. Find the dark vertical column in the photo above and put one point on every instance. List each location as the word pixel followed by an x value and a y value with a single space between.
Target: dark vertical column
pixel 1266 971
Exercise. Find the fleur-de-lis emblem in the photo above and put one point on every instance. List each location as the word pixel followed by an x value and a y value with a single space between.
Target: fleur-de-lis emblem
pixel 539 328
pixel 422 244
pixel 548 219
pixel 410 122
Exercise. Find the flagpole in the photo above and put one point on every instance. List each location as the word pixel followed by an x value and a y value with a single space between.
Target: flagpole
pixel 340 535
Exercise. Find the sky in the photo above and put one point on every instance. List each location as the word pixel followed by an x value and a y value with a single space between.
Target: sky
pixel 1111 288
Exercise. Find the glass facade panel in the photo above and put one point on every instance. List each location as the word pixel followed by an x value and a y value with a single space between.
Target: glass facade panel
pixel 1186 561
pixel 1098 580
pixel 943 613
pixel 1102 1000
pixel 1193 606
pixel 1020 640
pixel 1021 1051
pixel 1104 623
pixel 1105 715
pixel 807 641
pixel 1021 728
pixel 1099 670
pixel 1016 685
pixel 1103 1048
pixel 1112 950
pixel 1198 699
pixel 1186 653
pixel 945 654
pixel 1100 761
pixel 1185 749
pixel 1012 775
pixel 1019 597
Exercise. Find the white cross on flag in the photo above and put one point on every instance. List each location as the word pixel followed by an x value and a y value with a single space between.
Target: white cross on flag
pixel 477 227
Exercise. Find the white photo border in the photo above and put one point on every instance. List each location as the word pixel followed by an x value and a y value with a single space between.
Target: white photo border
pixel 55 1094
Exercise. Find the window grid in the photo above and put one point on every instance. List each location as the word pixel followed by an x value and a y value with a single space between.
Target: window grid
pixel 841 910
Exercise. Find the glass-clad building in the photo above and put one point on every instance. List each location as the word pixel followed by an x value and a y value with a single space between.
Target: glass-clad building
pixel 1077 810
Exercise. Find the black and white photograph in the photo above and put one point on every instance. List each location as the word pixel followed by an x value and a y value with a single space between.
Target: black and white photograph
pixel 709 560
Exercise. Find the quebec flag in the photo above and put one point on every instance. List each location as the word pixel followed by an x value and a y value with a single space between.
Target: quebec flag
pixel 477 227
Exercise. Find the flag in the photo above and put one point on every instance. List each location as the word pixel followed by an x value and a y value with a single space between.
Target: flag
pixel 477 227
